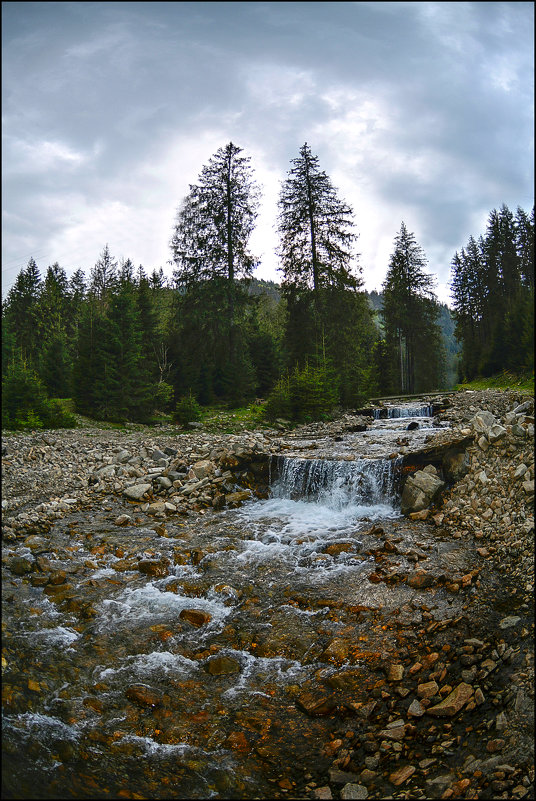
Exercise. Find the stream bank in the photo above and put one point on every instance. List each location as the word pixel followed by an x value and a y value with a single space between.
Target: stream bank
pixel 182 635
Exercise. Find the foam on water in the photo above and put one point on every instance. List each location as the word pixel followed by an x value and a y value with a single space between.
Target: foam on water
pixel 58 636
pixel 155 664
pixel 149 603
pixel 317 503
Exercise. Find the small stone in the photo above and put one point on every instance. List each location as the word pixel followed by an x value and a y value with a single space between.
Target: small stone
pixel 427 689
pixel 415 710
pixel 143 695
pixel 395 672
pixel 221 665
pixel 122 520
pixel 322 793
pixel 509 622
pixel 495 745
pixel 153 567
pixel 337 776
pixel 197 617
pixel 401 775
pixel 452 704
pixel 352 792
pixel 136 492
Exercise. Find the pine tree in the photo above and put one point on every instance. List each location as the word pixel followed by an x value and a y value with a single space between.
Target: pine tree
pixel 315 229
pixel 21 309
pixel 210 251
pixel 103 277
pixel 328 319
pixel 410 314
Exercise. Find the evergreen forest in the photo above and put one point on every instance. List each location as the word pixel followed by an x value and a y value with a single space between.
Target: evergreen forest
pixel 127 345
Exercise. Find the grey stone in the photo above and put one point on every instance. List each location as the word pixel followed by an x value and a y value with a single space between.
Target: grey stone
pixel 482 421
pixel 354 791
pixel 509 622
pixel 136 492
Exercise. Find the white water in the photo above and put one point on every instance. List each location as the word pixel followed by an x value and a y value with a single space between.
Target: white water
pixel 394 412
pixel 316 504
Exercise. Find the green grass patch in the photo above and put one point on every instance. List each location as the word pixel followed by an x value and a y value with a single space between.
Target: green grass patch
pixel 502 381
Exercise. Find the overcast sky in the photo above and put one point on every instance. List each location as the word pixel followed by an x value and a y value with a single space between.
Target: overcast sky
pixel 419 112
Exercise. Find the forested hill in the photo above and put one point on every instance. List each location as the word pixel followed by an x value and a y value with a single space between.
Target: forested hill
pixel 257 287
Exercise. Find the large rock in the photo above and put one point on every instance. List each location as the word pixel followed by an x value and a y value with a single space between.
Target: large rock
pixel 482 421
pixel 452 704
pixel 420 490
pixel 136 492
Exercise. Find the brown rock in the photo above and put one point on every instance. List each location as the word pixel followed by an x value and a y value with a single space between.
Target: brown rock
pixel 401 775
pixel 452 704
pixel 336 651
pixel 420 579
pixel 395 672
pixel 222 665
pixel 427 689
pixel 143 696
pixel 237 741
pixel 153 567
pixel 197 617
pixel 316 705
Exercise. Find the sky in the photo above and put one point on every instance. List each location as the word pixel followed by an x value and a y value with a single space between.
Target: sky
pixel 420 112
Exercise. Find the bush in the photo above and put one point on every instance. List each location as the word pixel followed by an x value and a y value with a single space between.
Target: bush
pixel 187 410
pixel 306 395
pixel 163 396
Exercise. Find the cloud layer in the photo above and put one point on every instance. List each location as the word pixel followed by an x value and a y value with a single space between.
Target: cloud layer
pixel 419 112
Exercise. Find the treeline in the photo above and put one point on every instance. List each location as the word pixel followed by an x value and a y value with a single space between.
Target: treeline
pixel 493 294
pixel 125 345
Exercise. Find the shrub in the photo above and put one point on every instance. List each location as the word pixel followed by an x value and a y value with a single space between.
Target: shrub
pixel 187 410
pixel 164 396
pixel 305 395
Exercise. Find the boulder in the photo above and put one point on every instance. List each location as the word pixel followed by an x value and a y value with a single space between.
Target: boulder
pixel 420 490
pixel 482 421
pixel 137 491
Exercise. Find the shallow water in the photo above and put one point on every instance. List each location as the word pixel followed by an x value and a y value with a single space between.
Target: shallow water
pixel 275 579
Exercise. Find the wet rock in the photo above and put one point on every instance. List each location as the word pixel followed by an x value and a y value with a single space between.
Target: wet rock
pixel 144 696
pixel 154 567
pixel 317 705
pixel 236 498
pixel 420 579
pixel 509 622
pixel 354 792
pixel 401 775
pixel 221 666
pixel 19 565
pixel 197 617
pixel 452 704
pixel 337 776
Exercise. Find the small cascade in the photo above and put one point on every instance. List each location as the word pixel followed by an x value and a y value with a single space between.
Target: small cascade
pixel 396 412
pixel 336 484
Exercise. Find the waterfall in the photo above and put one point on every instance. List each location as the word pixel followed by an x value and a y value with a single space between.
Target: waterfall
pixel 337 484
pixel 395 412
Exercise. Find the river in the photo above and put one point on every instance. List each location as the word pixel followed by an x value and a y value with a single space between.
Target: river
pixel 199 671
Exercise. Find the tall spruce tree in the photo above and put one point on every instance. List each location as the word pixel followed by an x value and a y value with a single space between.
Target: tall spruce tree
pixel 328 318
pixel 410 314
pixel 21 309
pixel 210 247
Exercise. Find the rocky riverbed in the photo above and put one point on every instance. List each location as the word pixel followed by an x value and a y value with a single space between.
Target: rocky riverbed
pixel 150 610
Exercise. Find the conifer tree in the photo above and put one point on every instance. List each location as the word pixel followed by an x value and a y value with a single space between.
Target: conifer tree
pixel 210 247
pixel 328 319
pixel 410 314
